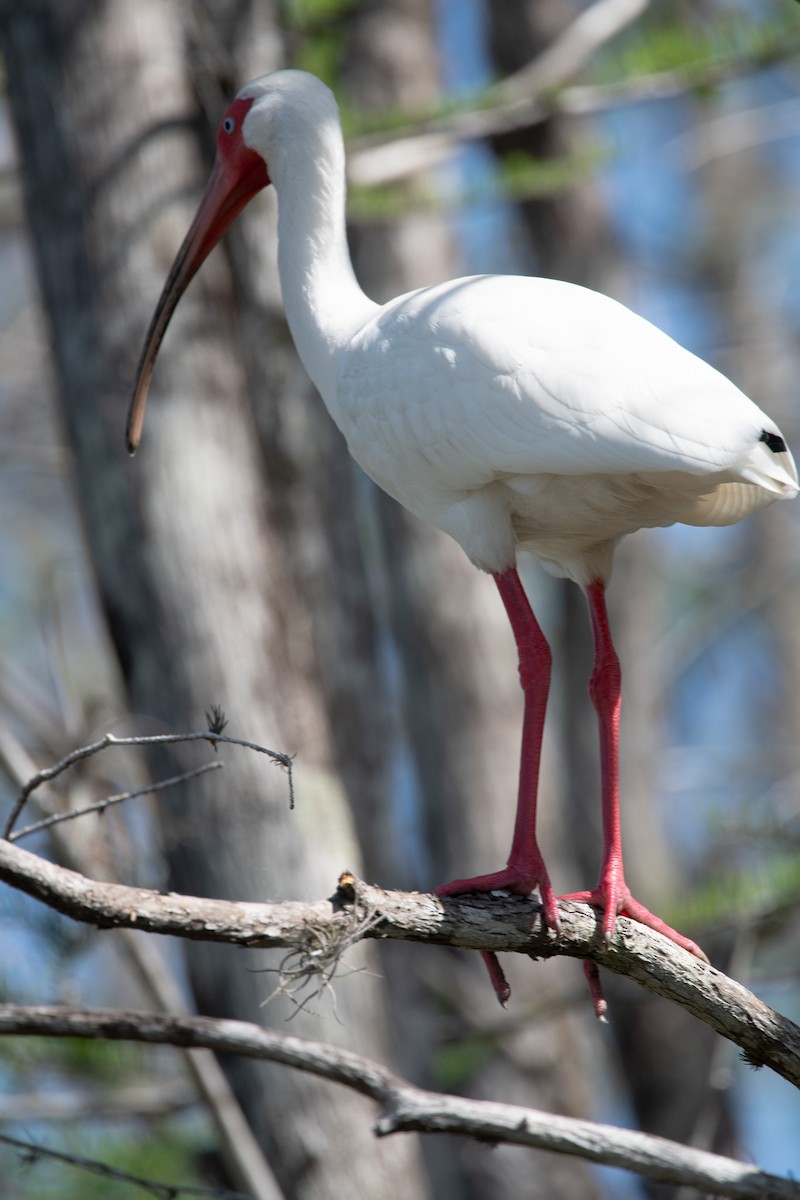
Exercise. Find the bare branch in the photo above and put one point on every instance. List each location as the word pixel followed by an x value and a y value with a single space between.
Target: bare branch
pixel 574 47
pixel 240 1151
pixel 161 739
pixel 162 1191
pixel 379 159
pixel 101 805
pixel 496 923
pixel 516 102
pixel 405 1107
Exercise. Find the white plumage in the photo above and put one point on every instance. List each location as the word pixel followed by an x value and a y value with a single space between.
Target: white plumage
pixel 512 413
pixel 527 412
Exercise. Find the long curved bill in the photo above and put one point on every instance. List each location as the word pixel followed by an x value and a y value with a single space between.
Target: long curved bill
pixel 234 181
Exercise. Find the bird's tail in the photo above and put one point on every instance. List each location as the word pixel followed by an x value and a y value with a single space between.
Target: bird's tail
pixel 767 473
pixel 770 466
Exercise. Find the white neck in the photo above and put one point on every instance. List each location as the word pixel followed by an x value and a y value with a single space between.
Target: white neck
pixel 324 303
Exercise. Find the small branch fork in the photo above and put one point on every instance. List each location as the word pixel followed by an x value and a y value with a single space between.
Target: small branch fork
pixel 406 1108
pixel 100 806
pixel 240 1152
pixel 214 736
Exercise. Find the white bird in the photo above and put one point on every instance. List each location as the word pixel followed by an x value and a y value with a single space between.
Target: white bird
pixel 515 414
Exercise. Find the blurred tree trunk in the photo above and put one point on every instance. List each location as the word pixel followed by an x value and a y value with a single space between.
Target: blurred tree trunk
pixel 195 564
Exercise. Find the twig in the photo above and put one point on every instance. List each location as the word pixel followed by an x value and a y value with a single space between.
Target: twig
pixel 240 1152
pixel 496 923
pixel 101 805
pixel 377 159
pixel 572 49
pixel 161 739
pixel 162 1191
pixel 405 1107
pixel 516 102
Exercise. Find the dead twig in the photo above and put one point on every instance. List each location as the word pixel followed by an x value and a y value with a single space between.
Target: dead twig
pixel 162 739
pixel 243 1157
pixel 31 1152
pixel 101 805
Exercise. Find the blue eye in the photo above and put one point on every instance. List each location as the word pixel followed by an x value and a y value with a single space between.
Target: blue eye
pixel 229 124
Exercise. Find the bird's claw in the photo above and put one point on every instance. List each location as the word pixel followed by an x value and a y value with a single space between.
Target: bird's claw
pixel 497 977
pixel 616 900
pixel 592 974
pixel 521 882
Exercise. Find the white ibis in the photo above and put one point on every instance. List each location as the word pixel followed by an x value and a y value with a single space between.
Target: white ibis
pixel 515 414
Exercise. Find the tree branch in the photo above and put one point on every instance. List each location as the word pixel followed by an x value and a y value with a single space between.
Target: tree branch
pixel 161 739
pixel 239 1148
pixel 497 923
pixel 539 91
pixel 572 49
pixel 405 1107
pixel 161 1191
pixel 100 806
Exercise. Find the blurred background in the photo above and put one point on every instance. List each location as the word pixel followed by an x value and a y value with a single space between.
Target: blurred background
pixel 243 560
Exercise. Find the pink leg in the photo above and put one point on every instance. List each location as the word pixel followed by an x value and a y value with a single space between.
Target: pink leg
pixel 611 893
pixel 525 869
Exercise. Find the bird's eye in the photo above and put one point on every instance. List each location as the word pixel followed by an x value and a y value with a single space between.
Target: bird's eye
pixel 229 124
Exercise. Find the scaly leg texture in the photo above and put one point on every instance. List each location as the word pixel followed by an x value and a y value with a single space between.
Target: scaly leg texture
pixel 525 869
pixel 612 893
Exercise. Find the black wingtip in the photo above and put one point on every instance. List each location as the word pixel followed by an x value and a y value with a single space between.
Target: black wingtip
pixel 773 441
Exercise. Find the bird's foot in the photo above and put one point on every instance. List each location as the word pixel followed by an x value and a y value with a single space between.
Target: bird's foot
pixel 615 899
pixel 521 881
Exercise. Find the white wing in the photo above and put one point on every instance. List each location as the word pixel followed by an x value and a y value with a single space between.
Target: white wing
pixel 493 376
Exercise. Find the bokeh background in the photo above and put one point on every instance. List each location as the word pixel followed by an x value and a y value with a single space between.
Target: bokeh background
pixel 243 560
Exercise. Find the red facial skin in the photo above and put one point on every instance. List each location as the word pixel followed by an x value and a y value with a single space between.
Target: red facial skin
pixel 238 173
